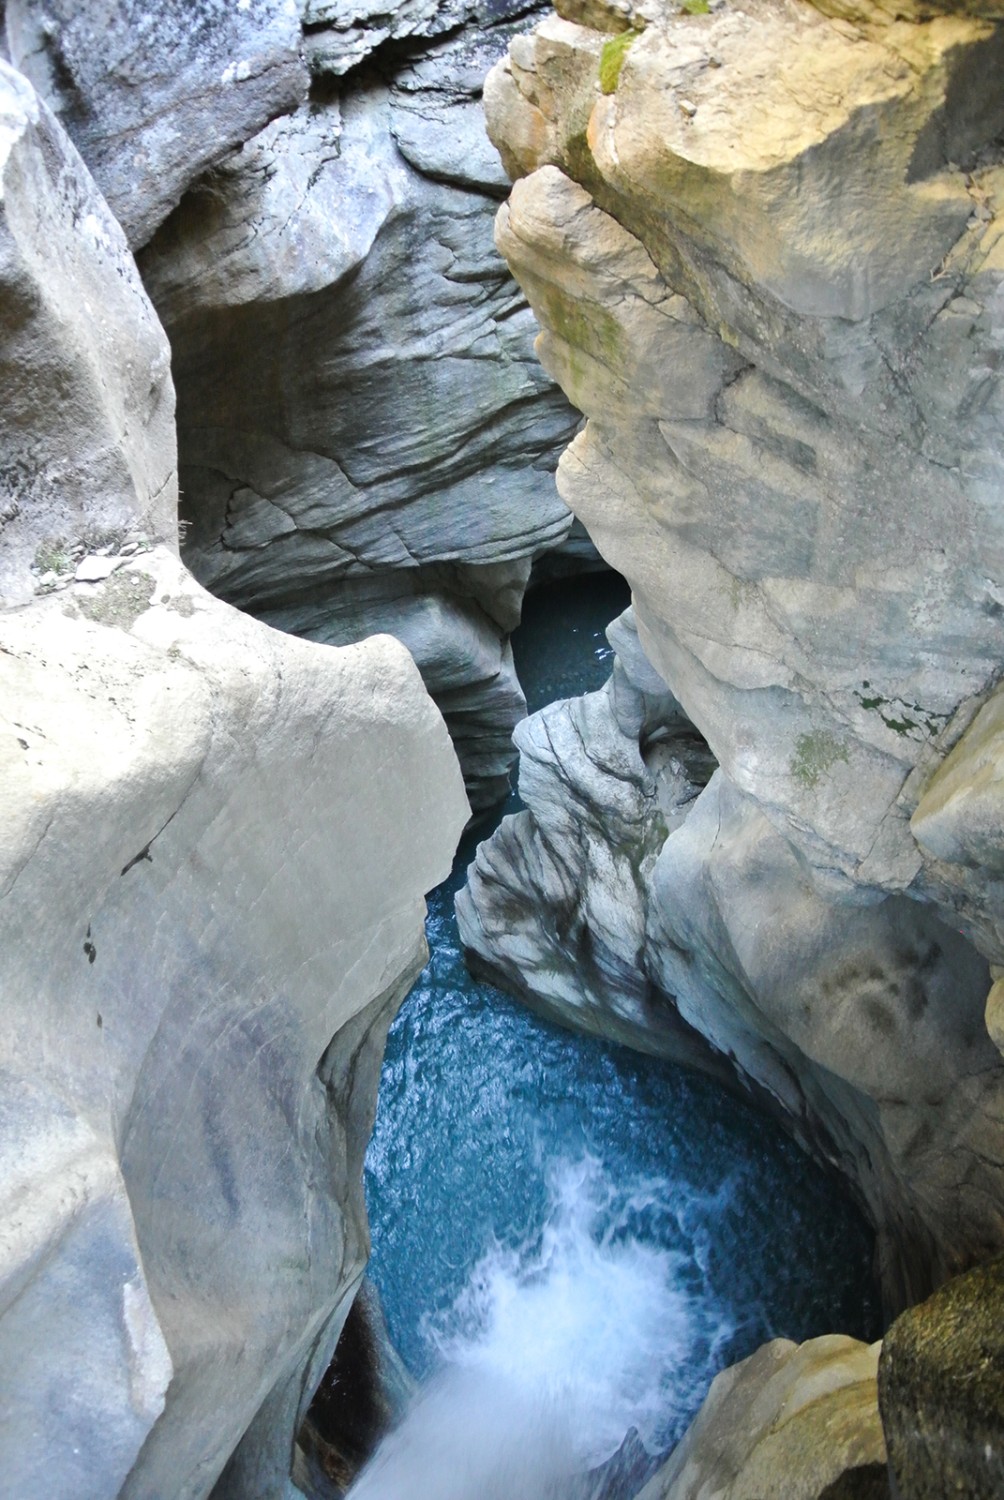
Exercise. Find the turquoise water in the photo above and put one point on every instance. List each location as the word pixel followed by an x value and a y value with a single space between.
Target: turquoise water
pixel 595 1231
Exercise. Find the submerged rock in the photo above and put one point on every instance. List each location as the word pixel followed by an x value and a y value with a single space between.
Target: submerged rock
pixel 214 847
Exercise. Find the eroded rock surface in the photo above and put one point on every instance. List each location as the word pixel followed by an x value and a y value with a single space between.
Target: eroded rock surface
pixel 637 898
pixel 367 441
pixel 784 336
pixel 88 448
pixel 214 845
pixel 777 298
pixel 366 438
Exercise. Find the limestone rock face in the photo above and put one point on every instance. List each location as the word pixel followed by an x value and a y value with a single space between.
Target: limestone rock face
pixel 556 904
pixel 221 826
pixel 214 845
pixel 366 438
pixel 87 445
pixel 636 898
pixel 940 1393
pixel 764 247
pixel 798 1420
pixel 152 95
pixel 778 304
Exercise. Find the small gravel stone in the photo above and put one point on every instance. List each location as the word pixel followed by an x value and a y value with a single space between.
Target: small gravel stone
pixel 95 568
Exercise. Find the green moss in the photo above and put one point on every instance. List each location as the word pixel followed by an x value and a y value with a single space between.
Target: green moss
pixel 696 7
pixel 586 326
pixel 52 557
pixel 814 754
pixel 612 59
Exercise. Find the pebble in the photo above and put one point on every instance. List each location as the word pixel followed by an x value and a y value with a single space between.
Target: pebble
pixel 96 567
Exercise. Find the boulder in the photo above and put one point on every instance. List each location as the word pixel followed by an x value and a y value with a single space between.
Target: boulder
pixel 941 1391
pixel 794 1420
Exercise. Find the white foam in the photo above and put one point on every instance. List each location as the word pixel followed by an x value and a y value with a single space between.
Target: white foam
pixel 552 1352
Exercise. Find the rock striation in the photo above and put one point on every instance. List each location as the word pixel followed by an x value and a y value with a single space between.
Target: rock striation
pixel 214 845
pixel 763 244
pixel 366 439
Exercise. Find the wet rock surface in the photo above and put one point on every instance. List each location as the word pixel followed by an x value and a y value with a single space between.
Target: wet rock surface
pixel 941 1390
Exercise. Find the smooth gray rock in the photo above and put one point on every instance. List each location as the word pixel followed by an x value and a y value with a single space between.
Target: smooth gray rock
pixel 87 443
pixel 221 826
pixel 214 844
pixel 459 647
pixel 153 95
pixel 556 901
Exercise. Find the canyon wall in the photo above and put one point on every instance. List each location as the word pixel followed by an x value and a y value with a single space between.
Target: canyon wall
pixel 366 439
pixel 763 246
pixel 214 848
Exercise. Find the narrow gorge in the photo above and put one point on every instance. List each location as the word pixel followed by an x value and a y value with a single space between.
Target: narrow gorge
pixel 387 394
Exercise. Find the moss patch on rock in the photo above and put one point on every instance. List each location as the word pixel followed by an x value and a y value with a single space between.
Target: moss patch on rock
pixel 814 754
pixel 612 59
pixel 120 601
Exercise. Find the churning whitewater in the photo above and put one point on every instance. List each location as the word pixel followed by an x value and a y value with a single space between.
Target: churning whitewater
pixel 570 1239
pixel 552 1352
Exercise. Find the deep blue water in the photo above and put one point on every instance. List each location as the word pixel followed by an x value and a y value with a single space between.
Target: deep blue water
pixel 593 1227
